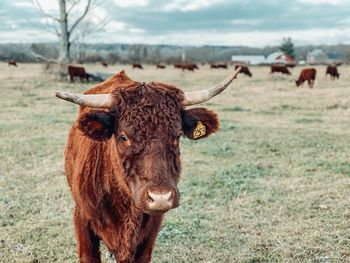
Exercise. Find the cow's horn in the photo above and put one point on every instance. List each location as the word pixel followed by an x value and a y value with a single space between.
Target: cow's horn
pixel 196 97
pixel 91 100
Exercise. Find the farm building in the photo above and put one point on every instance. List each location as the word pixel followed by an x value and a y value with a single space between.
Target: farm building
pixel 273 58
pixel 317 56
pixel 248 59
pixel 279 58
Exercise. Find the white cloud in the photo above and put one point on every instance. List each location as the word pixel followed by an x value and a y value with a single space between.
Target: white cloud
pixel 344 22
pixel 190 5
pixel 130 3
pixel 115 26
pixel 136 30
pixel 23 4
pixel 330 2
pixel 244 22
pixel 25 36
pixel 47 5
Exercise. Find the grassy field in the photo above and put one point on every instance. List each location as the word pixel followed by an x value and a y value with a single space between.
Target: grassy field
pixel 271 186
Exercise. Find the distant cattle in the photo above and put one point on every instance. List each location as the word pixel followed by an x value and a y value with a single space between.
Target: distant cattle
pixel 190 67
pixel 74 71
pixel 104 63
pixel 137 66
pixel 309 75
pixel 12 63
pixel 160 66
pixel 218 66
pixel 280 68
pixel 332 71
pixel 244 69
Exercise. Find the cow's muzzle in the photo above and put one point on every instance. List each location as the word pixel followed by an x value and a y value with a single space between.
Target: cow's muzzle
pixel 160 199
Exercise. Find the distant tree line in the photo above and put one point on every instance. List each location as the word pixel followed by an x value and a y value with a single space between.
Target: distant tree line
pixel 134 53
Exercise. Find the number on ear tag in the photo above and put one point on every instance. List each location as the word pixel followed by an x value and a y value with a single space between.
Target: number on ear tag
pixel 199 131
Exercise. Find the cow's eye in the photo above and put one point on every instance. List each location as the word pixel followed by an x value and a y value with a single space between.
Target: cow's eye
pixel 123 138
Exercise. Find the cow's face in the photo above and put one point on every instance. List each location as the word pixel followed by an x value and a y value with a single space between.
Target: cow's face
pixel 145 127
pixel 297 82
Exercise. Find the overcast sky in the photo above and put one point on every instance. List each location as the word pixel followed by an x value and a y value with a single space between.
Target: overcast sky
pixel 192 22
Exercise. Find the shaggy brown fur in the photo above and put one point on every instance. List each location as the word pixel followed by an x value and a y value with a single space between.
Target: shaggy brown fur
pixel 114 157
pixel 307 74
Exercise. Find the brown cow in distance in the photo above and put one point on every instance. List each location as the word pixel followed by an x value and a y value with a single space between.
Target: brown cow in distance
pixel 12 63
pixel 280 68
pixel 307 74
pixel 332 71
pixel 189 67
pixel 104 63
pixel 160 66
pixel 74 71
pixel 137 66
pixel 224 66
pixel 122 161
pixel 244 69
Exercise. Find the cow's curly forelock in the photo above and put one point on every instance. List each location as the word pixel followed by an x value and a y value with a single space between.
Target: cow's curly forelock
pixel 150 109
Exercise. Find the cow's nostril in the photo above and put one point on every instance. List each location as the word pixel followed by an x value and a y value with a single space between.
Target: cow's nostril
pixel 149 197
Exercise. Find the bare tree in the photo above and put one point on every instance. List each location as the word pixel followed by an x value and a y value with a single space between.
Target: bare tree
pixel 66 25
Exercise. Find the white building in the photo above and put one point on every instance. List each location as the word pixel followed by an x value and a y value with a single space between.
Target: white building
pixel 317 56
pixel 249 59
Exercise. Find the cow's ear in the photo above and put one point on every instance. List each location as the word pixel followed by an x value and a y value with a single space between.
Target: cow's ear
pixel 98 125
pixel 198 123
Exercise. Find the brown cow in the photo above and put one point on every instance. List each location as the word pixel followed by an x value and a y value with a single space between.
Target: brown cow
pixel 122 161
pixel 104 63
pixel 307 74
pixel 160 66
pixel 218 66
pixel 189 67
pixel 137 66
pixel 12 63
pixel 74 71
pixel 332 71
pixel 280 68
pixel 244 69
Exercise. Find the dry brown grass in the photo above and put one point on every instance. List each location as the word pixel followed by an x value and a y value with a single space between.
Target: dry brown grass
pixel 271 186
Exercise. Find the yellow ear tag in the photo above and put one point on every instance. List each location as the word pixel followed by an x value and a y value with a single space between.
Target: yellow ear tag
pixel 199 131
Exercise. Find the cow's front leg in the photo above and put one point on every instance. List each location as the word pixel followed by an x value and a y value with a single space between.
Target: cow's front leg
pixel 145 246
pixel 87 242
